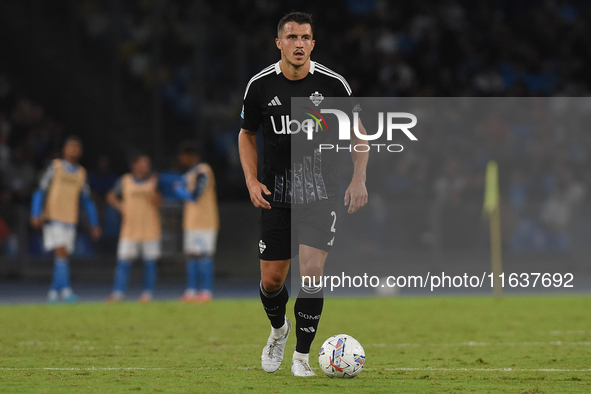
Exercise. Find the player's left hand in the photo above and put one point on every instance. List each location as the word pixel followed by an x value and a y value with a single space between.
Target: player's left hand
pixel 356 194
pixel 95 232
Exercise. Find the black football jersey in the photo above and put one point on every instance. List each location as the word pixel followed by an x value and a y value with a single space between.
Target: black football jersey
pixel 295 170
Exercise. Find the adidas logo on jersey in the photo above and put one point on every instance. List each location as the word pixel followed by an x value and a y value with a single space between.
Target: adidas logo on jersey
pixel 275 102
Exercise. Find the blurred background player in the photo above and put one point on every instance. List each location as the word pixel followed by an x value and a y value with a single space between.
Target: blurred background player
pixel 136 196
pixel 200 222
pixel 55 206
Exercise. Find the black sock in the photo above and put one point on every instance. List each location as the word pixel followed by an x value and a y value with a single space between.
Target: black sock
pixel 274 304
pixel 308 308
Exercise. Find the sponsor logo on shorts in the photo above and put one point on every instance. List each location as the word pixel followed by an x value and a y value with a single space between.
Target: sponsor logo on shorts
pixel 262 246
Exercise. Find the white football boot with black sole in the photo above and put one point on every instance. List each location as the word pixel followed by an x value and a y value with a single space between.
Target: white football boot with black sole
pixel 273 353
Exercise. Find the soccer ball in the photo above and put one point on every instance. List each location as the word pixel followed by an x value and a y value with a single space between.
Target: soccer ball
pixel 341 356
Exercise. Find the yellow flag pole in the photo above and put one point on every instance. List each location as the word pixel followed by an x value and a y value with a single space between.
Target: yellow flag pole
pixel 495 251
pixel 492 207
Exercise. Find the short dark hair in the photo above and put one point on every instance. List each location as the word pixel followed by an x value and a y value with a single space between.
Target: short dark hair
pixel 301 18
pixel 190 147
pixel 73 138
pixel 135 156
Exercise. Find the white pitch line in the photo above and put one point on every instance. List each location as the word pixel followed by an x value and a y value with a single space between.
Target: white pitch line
pixel 472 343
pixel 88 369
pixel 489 369
pixel 426 369
pixel 120 368
pixel 457 344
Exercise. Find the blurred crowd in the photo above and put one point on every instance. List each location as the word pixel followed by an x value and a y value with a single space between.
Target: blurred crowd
pixel 27 138
pixel 406 47
pixel 383 48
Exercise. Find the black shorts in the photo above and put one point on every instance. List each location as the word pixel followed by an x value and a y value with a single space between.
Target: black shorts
pixel 284 229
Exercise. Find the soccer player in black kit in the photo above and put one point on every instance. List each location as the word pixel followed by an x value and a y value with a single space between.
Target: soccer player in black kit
pixel 299 194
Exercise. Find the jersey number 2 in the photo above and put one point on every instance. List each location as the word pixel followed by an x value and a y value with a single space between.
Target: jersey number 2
pixel 332 227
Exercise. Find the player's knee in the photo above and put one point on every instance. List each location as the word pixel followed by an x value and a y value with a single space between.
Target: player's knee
pixel 312 269
pixel 271 284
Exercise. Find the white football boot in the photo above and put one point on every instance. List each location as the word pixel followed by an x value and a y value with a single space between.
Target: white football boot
pixel 273 353
pixel 301 368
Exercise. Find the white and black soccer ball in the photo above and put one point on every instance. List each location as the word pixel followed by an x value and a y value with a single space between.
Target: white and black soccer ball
pixel 341 356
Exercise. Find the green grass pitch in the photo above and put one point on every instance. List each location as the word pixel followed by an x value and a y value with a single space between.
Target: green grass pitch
pixel 412 345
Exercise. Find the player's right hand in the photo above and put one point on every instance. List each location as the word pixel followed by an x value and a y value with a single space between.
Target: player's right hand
pixel 256 190
pixel 36 222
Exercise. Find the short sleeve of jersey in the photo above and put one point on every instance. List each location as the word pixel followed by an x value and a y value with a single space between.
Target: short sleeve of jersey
pixel 251 113
pixel 85 190
pixel 344 90
pixel 190 175
pixel 46 178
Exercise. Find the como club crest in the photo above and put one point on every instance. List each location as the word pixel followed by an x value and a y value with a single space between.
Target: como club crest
pixel 316 98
